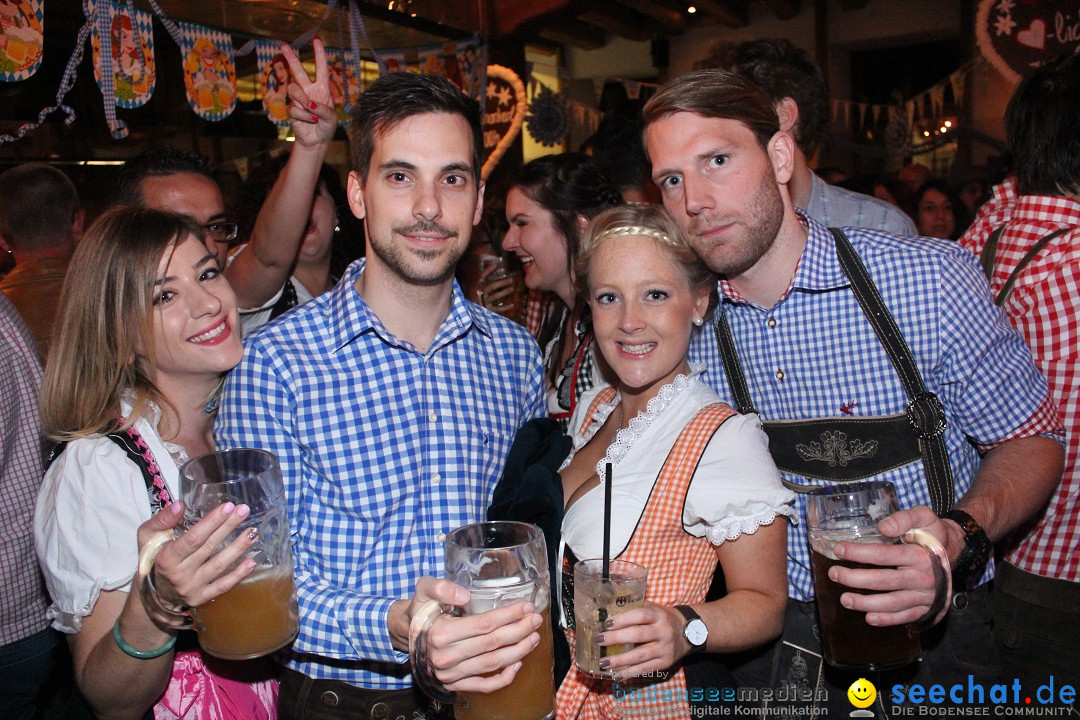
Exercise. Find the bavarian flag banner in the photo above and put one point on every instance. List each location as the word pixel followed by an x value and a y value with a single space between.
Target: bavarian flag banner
pixel 344 85
pixel 22 25
pixel 274 79
pixel 209 71
pixel 130 54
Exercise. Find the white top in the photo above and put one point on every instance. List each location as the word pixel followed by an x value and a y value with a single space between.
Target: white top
pixel 88 512
pixel 251 319
pixel 735 489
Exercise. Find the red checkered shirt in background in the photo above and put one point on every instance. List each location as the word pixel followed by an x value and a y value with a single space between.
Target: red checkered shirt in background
pixel 23 601
pixel 539 305
pixel 1044 305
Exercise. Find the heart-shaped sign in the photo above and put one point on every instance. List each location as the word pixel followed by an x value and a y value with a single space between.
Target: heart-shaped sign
pixel 504 112
pixel 1019 36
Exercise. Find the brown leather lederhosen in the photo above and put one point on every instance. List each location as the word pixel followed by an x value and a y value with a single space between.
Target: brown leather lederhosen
pixel 849 449
pixel 680 569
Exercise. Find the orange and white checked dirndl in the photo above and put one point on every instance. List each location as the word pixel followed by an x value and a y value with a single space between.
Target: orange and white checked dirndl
pixel 680 567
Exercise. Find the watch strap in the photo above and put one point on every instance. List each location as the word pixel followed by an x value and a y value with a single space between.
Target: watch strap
pixel 968 567
pixel 691 615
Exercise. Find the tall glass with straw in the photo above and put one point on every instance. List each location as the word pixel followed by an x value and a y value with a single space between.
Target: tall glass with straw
pixel 603 588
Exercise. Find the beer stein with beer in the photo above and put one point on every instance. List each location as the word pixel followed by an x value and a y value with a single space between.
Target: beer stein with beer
pixel 850 513
pixel 260 614
pixel 499 563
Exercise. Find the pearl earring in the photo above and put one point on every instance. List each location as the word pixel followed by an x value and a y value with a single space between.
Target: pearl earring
pixel 699 321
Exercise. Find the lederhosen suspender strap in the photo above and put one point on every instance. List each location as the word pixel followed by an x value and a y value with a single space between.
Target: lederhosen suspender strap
pixel 133 445
pixel 924 428
pixel 989 255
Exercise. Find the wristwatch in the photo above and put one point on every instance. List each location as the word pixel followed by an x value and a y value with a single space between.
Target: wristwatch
pixel 968 567
pixel 696 631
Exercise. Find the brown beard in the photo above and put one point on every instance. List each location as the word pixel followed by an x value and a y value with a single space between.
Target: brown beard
pixel 766 214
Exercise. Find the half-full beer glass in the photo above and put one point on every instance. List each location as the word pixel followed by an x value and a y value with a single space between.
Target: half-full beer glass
pixel 260 614
pixel 850 513
pixel 499 563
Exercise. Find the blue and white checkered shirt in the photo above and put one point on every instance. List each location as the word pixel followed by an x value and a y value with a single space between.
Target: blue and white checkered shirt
pixel 814 355
pixel 834 206
pixel 384 449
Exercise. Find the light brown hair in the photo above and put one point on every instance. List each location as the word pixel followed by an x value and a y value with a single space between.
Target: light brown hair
pixel 105 319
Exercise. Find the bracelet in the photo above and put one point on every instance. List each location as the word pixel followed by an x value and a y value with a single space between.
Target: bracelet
pixel 140 654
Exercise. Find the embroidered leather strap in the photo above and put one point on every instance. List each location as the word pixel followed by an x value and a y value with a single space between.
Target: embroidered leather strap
pixel 136 449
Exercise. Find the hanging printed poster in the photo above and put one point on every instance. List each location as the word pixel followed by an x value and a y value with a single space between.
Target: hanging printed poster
pixel 391 60
pixel 471 61
pixel 344 86
pixel 442 60
pixel 209 71
pixel 274 80
pixel 131 41
pixel 21 32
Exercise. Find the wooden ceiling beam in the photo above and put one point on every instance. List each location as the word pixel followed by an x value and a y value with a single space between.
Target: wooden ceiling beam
pixel 670 20
pixel 785 9
pixel 617 18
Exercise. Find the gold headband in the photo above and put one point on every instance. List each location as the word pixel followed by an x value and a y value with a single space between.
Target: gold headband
pixel 635 230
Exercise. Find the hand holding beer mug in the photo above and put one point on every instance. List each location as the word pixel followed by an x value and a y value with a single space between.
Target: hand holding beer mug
pixel 850 513
pixel 499 563
pixel 259 614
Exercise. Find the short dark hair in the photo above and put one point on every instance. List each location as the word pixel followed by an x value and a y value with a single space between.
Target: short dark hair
pixel 782 70
pixel 716 94
pixel 395 97
pixel 39 206
pixel 160 161
pixel 1043 130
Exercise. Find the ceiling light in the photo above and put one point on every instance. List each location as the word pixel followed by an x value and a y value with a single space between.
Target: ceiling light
pixel 691 9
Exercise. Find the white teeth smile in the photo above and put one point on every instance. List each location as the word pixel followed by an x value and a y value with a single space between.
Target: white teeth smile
pixel 526 259
pixel 212 333
pixel 637 349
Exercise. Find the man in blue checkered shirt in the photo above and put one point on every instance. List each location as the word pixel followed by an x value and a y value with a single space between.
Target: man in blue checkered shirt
pixel 391 403
pixel 954 409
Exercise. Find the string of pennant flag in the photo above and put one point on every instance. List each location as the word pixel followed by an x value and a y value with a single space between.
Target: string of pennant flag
pixel 123 57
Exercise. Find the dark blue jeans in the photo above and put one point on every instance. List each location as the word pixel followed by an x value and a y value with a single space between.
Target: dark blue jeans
pixel 792 668
pixel 25 667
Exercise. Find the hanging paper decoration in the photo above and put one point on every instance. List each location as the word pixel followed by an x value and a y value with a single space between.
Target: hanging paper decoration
pixel 431 60
pixel 344 86
pixel 131 49
pixel 470 61
pixel 209 71
pixel 274 79
pixel 21 29
pixel 504 111
pixel 390 60
pixel 550 117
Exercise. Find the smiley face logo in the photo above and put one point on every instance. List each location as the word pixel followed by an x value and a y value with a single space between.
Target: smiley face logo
pixel 862 693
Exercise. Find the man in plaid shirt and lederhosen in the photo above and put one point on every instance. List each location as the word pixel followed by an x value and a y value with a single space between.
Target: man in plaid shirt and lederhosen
pixel 1037 589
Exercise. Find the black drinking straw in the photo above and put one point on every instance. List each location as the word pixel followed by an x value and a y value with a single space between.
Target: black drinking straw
pixel 606 575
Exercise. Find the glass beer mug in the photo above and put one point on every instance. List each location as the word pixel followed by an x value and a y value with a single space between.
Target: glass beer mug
pixel 850 513
pixel 260 614
pixel 499 563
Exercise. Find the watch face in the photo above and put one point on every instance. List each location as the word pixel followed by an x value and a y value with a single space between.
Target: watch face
pixel 697 632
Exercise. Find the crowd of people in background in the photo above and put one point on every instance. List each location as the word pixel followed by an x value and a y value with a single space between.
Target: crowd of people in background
pixel 692 284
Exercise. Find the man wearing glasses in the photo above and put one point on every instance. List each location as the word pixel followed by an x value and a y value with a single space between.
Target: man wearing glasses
pixel 167 178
